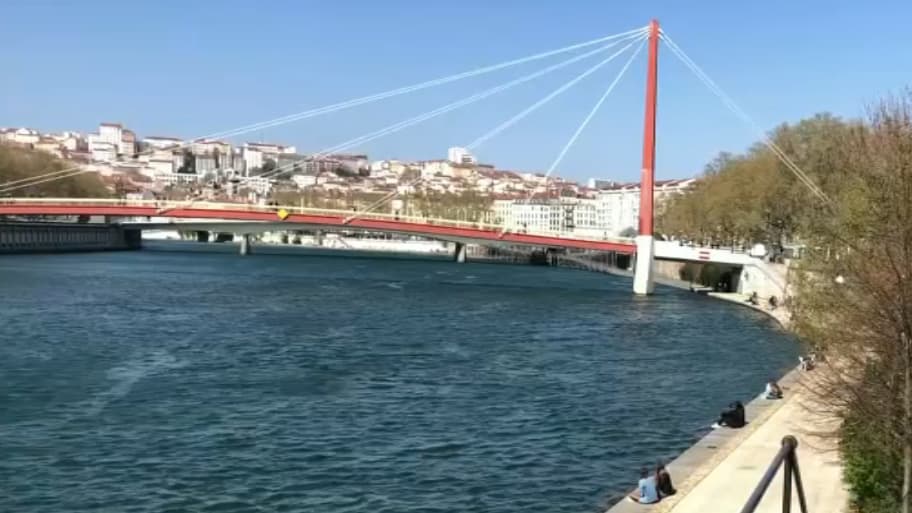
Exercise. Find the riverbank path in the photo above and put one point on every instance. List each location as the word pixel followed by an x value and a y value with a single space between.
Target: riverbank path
pixel 725 482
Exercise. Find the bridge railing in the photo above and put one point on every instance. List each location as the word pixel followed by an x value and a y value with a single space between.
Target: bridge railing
pixel 162 207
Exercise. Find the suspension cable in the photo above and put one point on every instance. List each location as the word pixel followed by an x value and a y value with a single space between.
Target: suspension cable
pixel 638 37
pixel 535 106
pixel 347 104
pixel 446 108
pixel 586 120
pixel 594 110
pixel 744 117
pixel 429 83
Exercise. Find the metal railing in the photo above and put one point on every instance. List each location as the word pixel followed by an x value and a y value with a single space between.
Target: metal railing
pixel 786 458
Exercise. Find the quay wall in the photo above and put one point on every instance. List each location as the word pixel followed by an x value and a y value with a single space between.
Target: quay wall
pixel 66 237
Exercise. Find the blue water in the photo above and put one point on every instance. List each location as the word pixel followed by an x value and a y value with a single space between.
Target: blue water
pixel 203 381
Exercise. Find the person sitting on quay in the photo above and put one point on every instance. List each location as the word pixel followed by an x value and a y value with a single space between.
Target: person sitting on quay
pixel 773 391
pixel 807 363
pixel 773 302
pixel 733 417
pixel 754 299
pixel 647 491
pixel 663 481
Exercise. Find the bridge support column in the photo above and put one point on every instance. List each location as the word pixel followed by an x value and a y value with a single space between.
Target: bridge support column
pixel 643 272
pixel 459 255
pixel 318 238
pixel 645 267
pixel 246 244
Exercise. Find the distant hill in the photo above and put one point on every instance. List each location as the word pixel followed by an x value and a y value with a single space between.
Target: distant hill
pixel 17 163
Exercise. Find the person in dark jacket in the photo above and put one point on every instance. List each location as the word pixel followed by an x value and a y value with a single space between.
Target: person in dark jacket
pixel 733 417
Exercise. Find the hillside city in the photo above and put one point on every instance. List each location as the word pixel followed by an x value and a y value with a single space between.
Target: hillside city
pixel 457 187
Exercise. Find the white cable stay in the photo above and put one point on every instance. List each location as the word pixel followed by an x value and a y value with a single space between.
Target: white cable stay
pixel 642 38
pixel 743 116
pixel 443 109
pixel 350 103
pixel 595 109
pixel 429 83
pixel 592 112
pixel 553 94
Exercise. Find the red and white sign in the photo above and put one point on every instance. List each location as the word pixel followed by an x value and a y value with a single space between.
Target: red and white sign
pixel 703 254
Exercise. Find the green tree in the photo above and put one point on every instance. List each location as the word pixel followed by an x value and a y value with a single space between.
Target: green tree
pixel 188 162
pixel 855 296
pixel 754 197
pixel 629 232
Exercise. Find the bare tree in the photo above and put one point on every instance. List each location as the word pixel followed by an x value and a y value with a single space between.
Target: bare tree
pixel 854 300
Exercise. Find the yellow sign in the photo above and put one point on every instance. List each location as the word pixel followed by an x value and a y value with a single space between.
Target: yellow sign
pixel 282 213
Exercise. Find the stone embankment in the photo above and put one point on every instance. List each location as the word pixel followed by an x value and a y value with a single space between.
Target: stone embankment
pixel 66 237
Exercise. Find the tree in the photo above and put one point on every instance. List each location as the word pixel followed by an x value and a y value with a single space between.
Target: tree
pixel 188 162
pixel 17 163
pixel 343 172
pixel 753 197
pixel 629 232
pixel 854 298
pixel 268 165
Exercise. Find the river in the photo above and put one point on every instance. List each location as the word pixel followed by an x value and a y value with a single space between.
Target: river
pixel 200 380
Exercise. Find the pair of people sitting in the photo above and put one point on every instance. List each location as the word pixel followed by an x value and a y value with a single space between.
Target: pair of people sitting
pixel 652 487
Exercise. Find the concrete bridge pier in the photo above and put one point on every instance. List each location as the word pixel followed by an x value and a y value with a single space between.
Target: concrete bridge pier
pixel 459 255
pixel 318 238
pixel 246 244
pixel 644 266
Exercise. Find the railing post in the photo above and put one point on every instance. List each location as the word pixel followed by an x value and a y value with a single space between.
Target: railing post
pixel 802 502
pixel 787 483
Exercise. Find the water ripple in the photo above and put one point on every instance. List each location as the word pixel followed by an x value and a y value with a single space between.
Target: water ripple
pixel 157 381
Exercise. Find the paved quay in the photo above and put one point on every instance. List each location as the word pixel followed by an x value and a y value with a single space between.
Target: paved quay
pixel 721 470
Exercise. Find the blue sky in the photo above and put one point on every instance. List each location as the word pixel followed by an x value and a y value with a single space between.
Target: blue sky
pixel 192 68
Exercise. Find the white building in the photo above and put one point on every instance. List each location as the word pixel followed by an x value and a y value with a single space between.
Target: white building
pixel 112 135
pixel 563 216
pixel 177 178
pixel 127 146
pixel 160 142
pixel 21 135
pixel 304 180
pixel 255 155
pixel 70 141
pixel 102 150
pixel 618 207
pixel 458 155
pixel 598 183
pixel 161 165
pixel 608 215
pixel 393 166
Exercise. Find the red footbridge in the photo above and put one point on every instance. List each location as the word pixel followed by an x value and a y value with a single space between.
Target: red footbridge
pixel 246 218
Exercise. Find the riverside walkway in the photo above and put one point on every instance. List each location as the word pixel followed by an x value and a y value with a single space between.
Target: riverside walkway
pixel 720 472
